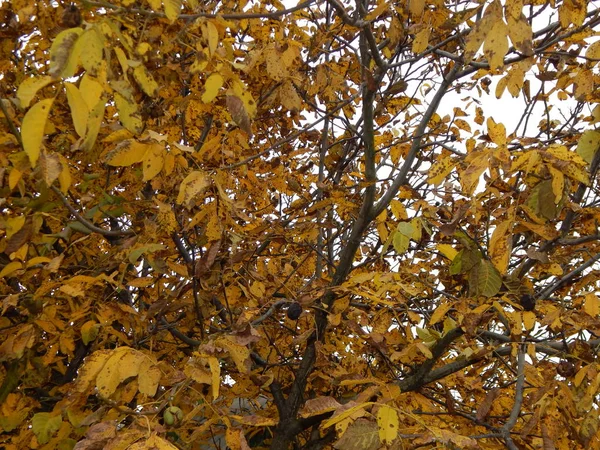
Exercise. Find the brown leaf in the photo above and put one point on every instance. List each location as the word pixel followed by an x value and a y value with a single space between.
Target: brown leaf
pixel 486 405
pixel 240 116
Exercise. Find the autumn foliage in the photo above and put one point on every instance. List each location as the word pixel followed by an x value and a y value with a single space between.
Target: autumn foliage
pixel 326 225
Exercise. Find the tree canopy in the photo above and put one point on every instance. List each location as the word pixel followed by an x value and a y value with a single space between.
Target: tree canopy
pixel 258 224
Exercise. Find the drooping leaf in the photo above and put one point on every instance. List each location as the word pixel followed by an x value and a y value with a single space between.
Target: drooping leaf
pixel 79 109
pixel 32 129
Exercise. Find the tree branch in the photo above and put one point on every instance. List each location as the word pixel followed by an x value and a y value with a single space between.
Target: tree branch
pixel 90 226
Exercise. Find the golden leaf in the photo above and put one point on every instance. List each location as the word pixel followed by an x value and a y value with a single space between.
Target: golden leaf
pixel 212 86
pixel 192 185
pixel 172 9
pixel 145 80
pixel 127 153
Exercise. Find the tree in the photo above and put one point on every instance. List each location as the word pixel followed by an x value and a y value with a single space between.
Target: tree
pixel 263 225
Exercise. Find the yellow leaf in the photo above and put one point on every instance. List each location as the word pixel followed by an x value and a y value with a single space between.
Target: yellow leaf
pixel 591 305
pixel 211 88
pixel 347 413
pixel 13 225
pixel 126 153
pixel 572 12
pixel 496 44
pixel 89 331
pixel 440 169
pixel 288 97
pixel 215 371
pixel 149 378
pixel 94 363
pixel 154 4
pixel 558 184
pixel 387 421
pixel 593 51
pixel 108 378
pixel 153 161
pixel 44 425
pixel 64 178
pixel 122 58
pixel 128 113
pixel 588 144
pixel 145 80
pixel 79 109
pixel 32 129
pixel 211 36
pixel 10 268
pixel 497 132
pixel 382 6
pixel 421 40
pixel 246 97
pixel 91 90
pixel 93 126
pixel 192 185
pixel 447 250
pixel 29 87
pixel 172 9
pixel 479 32
pixel 398 210
pixel 501 245
pixel 520 33
pixel 91 50
pixel 529 320
pixel 63 58
pixel 439 313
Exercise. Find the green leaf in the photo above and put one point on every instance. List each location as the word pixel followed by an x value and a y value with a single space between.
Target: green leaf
pixel 588 145
pixel 484 279
pixel 44 425
pixel 150 248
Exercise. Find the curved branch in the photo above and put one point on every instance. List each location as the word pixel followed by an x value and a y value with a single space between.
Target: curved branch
pixel 230 16
pixel 86 223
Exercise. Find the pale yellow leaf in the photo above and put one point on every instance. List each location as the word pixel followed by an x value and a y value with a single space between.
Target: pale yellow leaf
pixel 91 90
pixel 192 185
pixel 79 109
pixel 32 129
pixel 29 88
pixel 501 245
pixel 387 421
pixel 63 55
pixel 91 50
pixel 129 113
pixel 153 161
